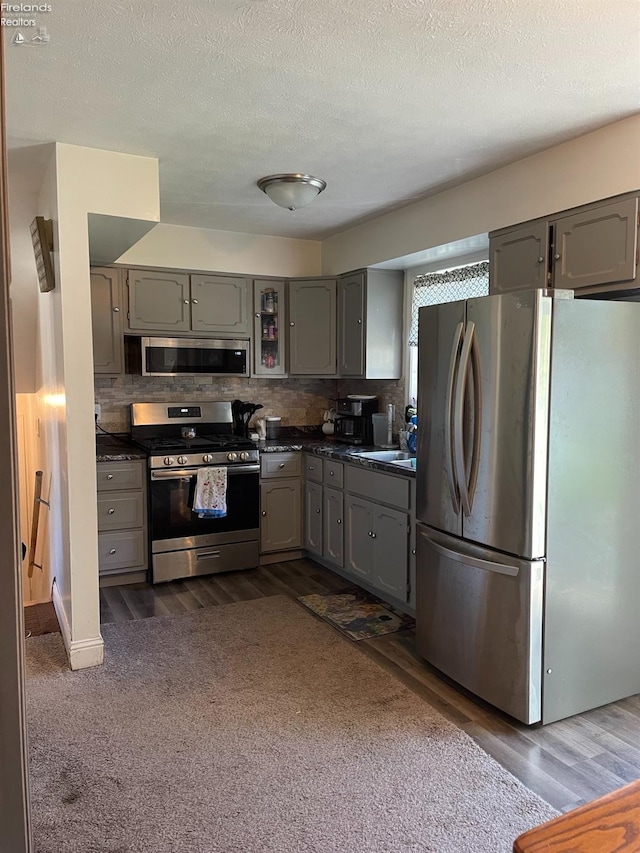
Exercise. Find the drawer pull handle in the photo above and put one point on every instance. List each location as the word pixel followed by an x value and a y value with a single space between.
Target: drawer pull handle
pixel 112 551
pixel 109 476
pixel 111 510
pixel 281 465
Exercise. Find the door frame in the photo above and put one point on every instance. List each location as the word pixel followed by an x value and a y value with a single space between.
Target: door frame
pixel 15 832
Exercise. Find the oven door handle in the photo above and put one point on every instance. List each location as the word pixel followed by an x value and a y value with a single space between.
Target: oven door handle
pixel 187 473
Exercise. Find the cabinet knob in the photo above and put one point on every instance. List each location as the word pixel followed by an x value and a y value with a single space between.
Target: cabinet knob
pixel 413 551
pixel 281 465
pixel 116 310
pixel 338 521
pixel 311 468
pixel 318 511
pixel 194 301
pixel 111 510
pixel 540 260
pixel 369 533
pixel 331 473
pixel 292 323
pixel 264 512
pixel 359 322
pixel 186 301
pixel 109 476
pixel 112 551
pixel 373 535
pixel 257 316
pixel 557 256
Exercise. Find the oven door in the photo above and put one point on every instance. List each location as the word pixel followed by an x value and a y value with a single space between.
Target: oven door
pixel 175 526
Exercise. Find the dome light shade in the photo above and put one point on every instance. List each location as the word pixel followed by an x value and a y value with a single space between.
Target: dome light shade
pixel 291 191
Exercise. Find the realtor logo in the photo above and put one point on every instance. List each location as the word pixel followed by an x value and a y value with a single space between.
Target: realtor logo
pixel 19 38
pixel 42 37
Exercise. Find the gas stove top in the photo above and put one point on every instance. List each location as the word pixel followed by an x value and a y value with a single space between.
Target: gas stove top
pixel 210 443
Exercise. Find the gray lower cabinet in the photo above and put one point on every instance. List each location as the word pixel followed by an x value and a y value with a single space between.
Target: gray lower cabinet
pixel 333 524
pixel 519 257
pixel 106 321
pixel 313 517
pixel 312 327
pixel 412 548
pixel 370 317
pixel 122 518
pixel 359 516
pixel 280 502
pixel 280 523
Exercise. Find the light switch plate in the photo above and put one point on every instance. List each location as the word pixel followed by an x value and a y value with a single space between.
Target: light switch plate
pixel 97 410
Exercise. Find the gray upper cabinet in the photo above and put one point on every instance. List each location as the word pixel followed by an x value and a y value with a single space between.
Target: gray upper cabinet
pixel 312 327
pixel 106 319
pixel 220 305
pixel 597 246
pixel 197 304
pixel 269 328
pixel 519 257
pixel 591 249
pixel 370 314
pixel 159 301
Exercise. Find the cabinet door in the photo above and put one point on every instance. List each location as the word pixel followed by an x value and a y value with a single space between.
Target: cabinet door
pixel 106 321
pixel 280 522
pixel 312 327
pixel 220 305
pixel 159 301
pixel 269 328
pixel 391 552
pixel 359 541
pixel 412 549
pixel 519 258
pixel 333 545
pixel 597 246
pixel 313 518
pixel 351 322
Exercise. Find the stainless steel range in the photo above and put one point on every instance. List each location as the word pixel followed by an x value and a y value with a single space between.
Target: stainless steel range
pixel 180 438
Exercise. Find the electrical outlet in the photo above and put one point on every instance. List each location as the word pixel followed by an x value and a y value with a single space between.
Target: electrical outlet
pixel 96 410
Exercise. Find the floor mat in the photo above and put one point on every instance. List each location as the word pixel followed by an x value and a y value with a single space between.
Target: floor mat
pixel 357 613
pixel 40 619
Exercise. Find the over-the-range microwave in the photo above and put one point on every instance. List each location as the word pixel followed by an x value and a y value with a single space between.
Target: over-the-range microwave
pixel 186 356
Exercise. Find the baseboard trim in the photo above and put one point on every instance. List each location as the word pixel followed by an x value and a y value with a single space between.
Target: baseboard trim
pixel 82 654
pixel 280 557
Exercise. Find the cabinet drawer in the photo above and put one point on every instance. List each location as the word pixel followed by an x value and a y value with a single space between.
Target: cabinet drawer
pixel 376 486
pixel 332 473
pixel 280 465
pixel 121 550
pixel 115 476
pixel 313 468
pixel 120 510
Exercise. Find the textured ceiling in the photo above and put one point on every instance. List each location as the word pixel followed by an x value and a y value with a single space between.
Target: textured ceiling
pixel 387 100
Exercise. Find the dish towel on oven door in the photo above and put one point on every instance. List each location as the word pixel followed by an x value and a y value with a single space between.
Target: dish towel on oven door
pixel 210 498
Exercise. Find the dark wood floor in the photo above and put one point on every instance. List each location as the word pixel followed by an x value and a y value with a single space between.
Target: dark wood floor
pixel 567 763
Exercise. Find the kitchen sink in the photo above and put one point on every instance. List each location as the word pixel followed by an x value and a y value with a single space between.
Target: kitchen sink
pixel 388 455
pixel 405 463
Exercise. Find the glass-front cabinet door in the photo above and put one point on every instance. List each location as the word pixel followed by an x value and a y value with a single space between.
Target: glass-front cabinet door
pixel 269 328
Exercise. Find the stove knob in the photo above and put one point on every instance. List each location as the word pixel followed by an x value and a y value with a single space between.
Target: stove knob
pixel 182 460
pixel 244 456
pixel 232 456
pixel 169 460
pixel 207 457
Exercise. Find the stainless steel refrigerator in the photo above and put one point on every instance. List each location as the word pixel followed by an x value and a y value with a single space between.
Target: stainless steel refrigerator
pixel 528 500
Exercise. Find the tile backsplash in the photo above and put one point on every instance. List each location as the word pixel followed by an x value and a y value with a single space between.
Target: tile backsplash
pixel 298 401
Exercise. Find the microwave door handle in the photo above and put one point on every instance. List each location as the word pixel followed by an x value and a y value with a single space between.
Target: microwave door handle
pixel 448 427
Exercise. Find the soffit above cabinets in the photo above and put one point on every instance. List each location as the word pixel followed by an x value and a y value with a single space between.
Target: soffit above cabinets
pixel 111 236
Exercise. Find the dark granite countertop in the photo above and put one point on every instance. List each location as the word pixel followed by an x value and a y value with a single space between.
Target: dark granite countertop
pixel 117 448
pixel 329 447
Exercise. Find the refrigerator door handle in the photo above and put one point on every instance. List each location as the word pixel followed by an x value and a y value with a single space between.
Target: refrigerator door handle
pixel 458 419
pixel 467 560
pixel 477 419
pixel 449 425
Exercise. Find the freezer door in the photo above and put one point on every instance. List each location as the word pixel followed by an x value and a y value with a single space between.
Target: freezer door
pixel 501 412
pixel 439 345
pixel 479 621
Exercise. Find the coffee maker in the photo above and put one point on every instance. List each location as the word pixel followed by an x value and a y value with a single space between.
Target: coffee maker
pixel 353 423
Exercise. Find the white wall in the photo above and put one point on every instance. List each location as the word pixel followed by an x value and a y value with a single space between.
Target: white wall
pixel 603 163
pixel 224 251
pixel 78 181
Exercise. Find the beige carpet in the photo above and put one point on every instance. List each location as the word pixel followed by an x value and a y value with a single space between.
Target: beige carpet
pixel 255 728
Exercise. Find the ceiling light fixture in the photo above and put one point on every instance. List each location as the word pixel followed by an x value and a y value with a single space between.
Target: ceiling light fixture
pixel 291 191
